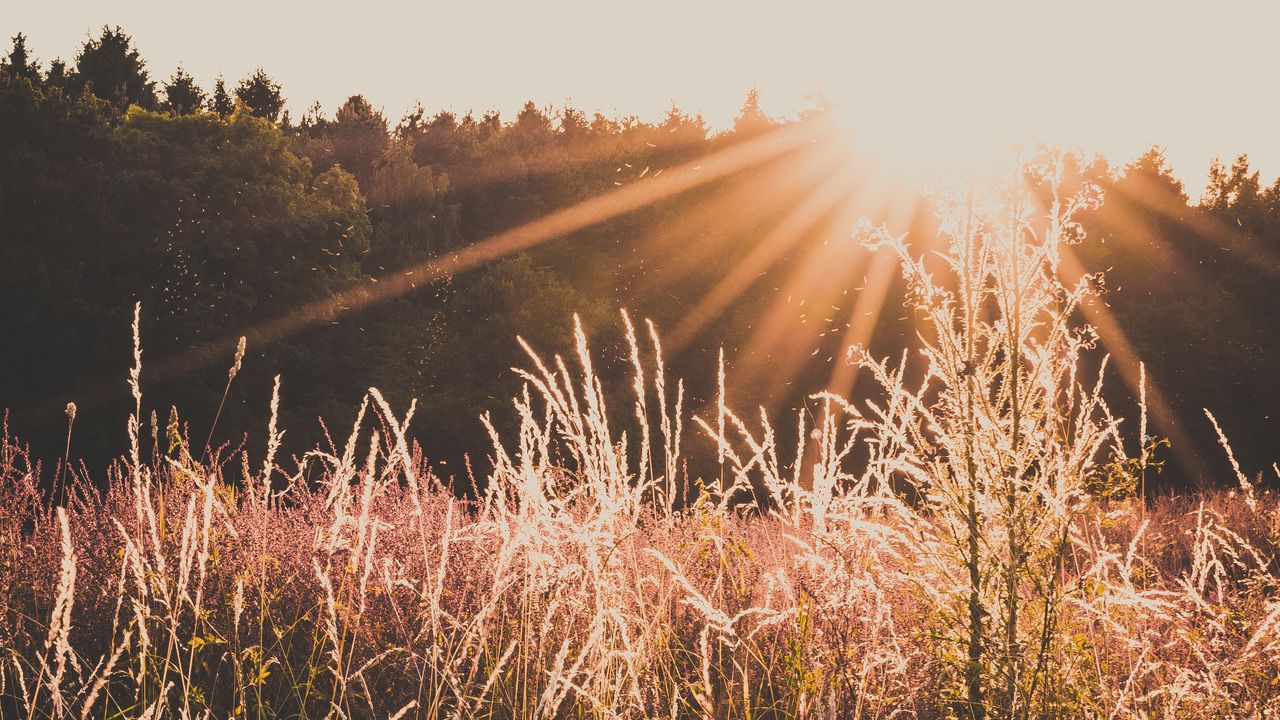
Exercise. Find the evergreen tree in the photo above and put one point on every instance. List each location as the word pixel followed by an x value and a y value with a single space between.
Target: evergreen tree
pixel 531 121
pixel 220 102
pixel 182 95
pixel 751 120
pixel 57 77
pixel 1236 189
pixel 112 69
pixel 18 63
pixel 262 95
pixel 573 124
pixel 359 136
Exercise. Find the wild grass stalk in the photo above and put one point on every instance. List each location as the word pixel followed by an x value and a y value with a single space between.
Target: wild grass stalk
pixel 937 550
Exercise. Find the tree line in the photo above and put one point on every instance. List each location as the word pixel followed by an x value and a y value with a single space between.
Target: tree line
pixel 216 211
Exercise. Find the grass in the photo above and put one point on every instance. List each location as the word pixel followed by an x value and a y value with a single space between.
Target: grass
pixel 967 544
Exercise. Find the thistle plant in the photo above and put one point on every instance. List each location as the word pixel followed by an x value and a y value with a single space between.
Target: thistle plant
pixel 1002 434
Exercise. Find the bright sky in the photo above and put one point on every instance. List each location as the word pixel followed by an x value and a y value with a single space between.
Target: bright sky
pixel 919 80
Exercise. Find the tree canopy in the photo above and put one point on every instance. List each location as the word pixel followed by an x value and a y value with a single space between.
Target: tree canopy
pixel 218 215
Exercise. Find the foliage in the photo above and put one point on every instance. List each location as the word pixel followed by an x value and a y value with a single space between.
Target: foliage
pixel 261 95
pixel 182 95
pixel 89 205
pixel 220 101
pixel 18 63
pixel 1002 435
pixel 110 67
pixel 593 578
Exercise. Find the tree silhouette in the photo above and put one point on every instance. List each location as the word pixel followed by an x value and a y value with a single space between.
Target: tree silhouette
pixel 111 68
pixel 532 122
pixel 750 119
pixel 217 222
pixel 182 95
pixel 220 102
pixel 359 136
pixel 1236 188
pixel 17 63
pixel 57 76
pixel 573 124
pixel 262 95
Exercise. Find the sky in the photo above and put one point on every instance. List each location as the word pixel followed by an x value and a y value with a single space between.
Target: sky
pixel 923 82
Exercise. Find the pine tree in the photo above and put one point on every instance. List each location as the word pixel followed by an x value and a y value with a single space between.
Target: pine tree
pixel 220 102
pixel 18 63
pixel 57 77
pixel 112 69
pixel 182 95
pixel 751 120
pixel 262 95
pixel 359 137
pixel 1237 188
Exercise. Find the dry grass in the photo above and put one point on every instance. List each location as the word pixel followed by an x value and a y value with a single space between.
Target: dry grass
pixel 937 552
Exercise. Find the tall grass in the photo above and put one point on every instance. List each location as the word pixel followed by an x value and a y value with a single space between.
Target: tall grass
pixel 939 551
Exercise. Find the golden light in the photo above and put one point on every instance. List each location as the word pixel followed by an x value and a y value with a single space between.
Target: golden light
pixel 557 224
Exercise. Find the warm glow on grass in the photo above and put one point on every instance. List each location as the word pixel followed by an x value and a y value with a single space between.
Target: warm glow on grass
pixel 968 541
pixel 914 472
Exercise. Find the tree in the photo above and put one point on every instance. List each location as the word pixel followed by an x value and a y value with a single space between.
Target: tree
pixel 412 219
pixel 220 102
pixel 182 95
pixel 489 126
pixel 112 69
pixel 532 122
pixel 1238 189
pixel 213 224
pixel 312 118
pixel 57 77
pixel 438 141
pixel 17 63
pixel 359 137
pixel 751 120
pixel 262 95
pixel 237 228
pixel 573 124
pixel 1154 168
pixel 679 133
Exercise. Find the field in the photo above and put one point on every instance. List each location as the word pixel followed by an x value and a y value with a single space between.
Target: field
pixel 974 542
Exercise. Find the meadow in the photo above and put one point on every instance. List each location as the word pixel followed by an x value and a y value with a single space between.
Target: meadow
pixel 976 541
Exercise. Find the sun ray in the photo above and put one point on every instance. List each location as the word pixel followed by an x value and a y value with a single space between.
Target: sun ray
pixel 785 342
pixel 875 290
pixel 697 235
pixel 863 319
pixel 1128 365
pixel 1122 214
pixel 790 335
pixel 1158 200
pixel 765 253
pixel 545 162
pixel 560 223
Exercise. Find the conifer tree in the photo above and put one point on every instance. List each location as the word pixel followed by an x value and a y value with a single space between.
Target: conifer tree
pixel 182 95
pixel 262 95
pixel 221 102
pixel 18 63
pixel 111 68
